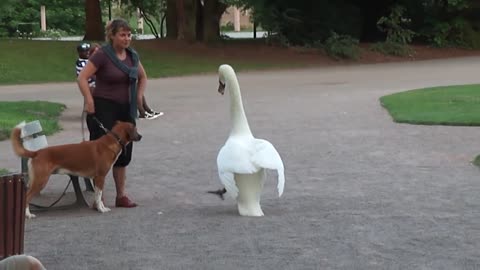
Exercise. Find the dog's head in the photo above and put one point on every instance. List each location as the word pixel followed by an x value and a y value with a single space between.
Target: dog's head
pixel 127 132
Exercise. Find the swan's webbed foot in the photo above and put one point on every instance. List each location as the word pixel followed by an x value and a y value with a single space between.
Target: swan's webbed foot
pixel 219 192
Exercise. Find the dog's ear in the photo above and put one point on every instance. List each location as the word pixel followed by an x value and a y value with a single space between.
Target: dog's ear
pixel 130 133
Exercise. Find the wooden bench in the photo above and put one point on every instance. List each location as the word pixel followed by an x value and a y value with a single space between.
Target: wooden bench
pixel 33 140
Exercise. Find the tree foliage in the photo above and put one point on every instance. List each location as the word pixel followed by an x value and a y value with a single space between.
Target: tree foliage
pixel 300 22
pixel 24 15
pixel 305 22
pixel 152 12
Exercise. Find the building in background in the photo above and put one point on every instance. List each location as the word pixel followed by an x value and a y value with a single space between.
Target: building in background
pixel 237 19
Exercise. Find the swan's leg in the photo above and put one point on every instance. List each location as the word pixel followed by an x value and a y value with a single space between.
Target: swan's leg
pixel 250 189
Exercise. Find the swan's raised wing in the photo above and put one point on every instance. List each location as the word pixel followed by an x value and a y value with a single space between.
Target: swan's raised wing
pixel 266 156
pixel 234 157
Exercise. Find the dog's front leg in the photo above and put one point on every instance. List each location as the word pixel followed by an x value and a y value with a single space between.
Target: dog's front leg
pixel 28 214
pixel 99 182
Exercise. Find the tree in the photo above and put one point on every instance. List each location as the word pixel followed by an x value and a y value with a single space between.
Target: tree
pixel 65 15
pixel 188 20
pixel 152 12
pixel 171 19
pixel 211 14
pixel 181 19
pixel 194 19
pixel 93 21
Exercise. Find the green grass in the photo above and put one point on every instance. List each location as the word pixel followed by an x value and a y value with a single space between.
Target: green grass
pixel 163 64
pixel 27 61
pixel 457 105
pixel 12 113
pixel 476 161
pixel 4 171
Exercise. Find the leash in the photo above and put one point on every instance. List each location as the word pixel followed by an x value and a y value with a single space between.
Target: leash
pixel 100 124
pixel 83 120
pixel 41 207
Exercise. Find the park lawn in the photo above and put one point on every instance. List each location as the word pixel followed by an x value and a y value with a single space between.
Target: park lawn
pixel 457 105
pixel 476 161
pixel 34 61
pixel 12 113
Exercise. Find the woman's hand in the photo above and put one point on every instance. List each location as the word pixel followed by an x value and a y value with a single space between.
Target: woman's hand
pixel 82 80
pixel 89 106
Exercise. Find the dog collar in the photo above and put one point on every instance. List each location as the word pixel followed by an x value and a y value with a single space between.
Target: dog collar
pixel 115 135
pixel 107 131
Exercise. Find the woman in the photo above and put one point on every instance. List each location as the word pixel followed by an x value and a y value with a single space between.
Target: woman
pixel 120 86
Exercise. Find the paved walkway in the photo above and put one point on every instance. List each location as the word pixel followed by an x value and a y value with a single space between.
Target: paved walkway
pixel 361 191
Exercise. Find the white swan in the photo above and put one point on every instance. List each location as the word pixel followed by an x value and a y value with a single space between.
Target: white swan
pixel 243 159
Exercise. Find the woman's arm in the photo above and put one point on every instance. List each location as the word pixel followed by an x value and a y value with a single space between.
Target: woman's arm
pixel 142 84
pixel 88 71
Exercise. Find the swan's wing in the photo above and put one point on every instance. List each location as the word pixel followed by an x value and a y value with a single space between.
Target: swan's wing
pixel 266 156
pixel 234 157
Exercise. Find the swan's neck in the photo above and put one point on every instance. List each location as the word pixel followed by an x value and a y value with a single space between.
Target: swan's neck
pixel 237 113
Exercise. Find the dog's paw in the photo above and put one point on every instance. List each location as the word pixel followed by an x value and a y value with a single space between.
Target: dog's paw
pixel 105 209
pixel 28 214
pixel 101 207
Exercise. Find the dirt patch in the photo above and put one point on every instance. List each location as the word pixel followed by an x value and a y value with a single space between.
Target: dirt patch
pixel 307 56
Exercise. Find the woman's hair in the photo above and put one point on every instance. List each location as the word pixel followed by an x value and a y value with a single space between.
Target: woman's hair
pixel 114 26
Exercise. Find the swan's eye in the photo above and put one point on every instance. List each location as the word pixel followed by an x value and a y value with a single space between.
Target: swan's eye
pixel 221 87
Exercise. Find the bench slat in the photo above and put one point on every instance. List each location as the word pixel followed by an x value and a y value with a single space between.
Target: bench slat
pixel 35 144
pixel 31 128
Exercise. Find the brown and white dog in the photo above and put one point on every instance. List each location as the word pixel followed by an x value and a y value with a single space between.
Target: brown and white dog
pixel 92 159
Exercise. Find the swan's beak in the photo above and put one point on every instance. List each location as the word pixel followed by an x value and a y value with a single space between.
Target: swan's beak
pixel 221 87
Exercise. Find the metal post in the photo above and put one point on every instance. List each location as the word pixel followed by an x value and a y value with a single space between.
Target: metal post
pixel 43 19
pixel 236 19
pixel 139 22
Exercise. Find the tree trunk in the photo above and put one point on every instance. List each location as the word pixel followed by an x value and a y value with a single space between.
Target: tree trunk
pixel 190 14
pixel 189 20
pixel 186 20
pixel 93 21
pixel 212 13
pixel 171 19
pixel 180 19
pixel 199 21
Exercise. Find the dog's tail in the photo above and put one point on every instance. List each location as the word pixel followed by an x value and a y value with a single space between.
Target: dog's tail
pixel 17 143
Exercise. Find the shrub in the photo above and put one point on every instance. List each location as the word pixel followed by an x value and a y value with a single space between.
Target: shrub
pixel 398 35
pixel 342 47
pixel 392 48
pixel 54 34
pixel 227 27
